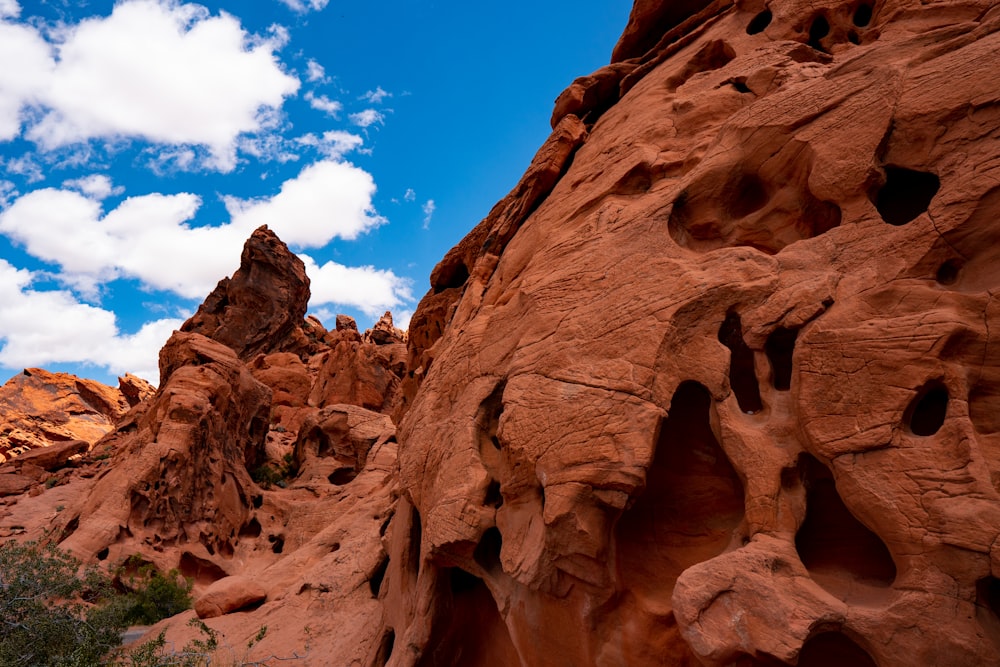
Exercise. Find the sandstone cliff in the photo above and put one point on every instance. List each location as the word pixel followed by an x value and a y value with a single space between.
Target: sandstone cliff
pixel 715 384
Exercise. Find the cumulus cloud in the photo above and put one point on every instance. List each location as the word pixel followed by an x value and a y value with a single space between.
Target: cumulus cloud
pixel 428 209
pixel 315 72
pixel 375 96
pixel 333 144
pixel 367 117
pixel 156 70
pixel 303 6
pixel 370 290
pixel 9 8
pixel 324 104
pixel 149 238
pixel 97 186
pixel 38 328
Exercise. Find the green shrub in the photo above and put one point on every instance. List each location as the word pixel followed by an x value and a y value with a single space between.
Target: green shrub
pixel 46 615
pixel 152 595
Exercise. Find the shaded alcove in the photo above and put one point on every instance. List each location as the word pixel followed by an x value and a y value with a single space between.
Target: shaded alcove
pixel 863 15
pixel 988 607
pixel 780 347
pixel 838 550
pixel 692 501
pixel 759 22
pixel 905 194
pixel 926 412
pixel 468 630
pixel 742 374
pixel 200 570
pixel 819 29
pixel 833 649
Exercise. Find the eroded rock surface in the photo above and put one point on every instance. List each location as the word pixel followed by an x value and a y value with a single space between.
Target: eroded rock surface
pixel 726 391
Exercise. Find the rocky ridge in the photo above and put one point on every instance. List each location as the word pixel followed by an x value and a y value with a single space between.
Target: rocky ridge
pixel 715 384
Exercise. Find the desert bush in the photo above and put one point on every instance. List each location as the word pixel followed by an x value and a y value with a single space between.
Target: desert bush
pixel 152 595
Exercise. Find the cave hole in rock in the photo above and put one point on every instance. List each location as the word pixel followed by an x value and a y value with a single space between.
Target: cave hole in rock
pixel 988 606
pixel 70 528
pixel 835 547
pixel 468 628
pixel 743 195
pixel 905 194
pixel 385 647
pixel 487 427
pixel 375 581
pixel 493 496
pixel 711 56
pixel 742 374
pixel 853 37
pixel 692 502
pixel 780 347
pixel 740 84
pixel 416 536
pixel 342 476
pixel 487 553
pixel 257 500
pixel 103 554
pixel 251 528
pixel 863 15
pixel 833 649
pixel 819 29
pixel 759 22
pixel 926 412
pixel 201 570
pixel 947 273
pixel 384 526
pixel 451 275
pixel 277 543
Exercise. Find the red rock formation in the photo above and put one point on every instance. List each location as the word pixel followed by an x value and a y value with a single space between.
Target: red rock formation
pixel 725 394
pixel 39 408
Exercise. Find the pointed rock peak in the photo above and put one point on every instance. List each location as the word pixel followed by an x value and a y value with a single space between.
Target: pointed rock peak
pixel 263 302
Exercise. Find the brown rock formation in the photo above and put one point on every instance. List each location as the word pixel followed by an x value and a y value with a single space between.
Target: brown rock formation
pixel 39 408
pixel 725 393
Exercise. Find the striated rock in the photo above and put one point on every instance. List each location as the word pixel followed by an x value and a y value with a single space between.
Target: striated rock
pixel 52 457
pixel 12 484
pixel 726 392
pixel 135 389
pixel 261 305
pixel 228 595
pixel 39 408
pixel 333 443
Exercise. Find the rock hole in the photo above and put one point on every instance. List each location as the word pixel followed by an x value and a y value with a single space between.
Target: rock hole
pixel 493 496
pixel 780 348
pixel 277 543
pixel 385 526
pixel 988 606
pixel 416 535
pixel 375 581
pixel 691 504
pixel 836 548
pixel 947 273
pixel 450 276
pixel 488 425
pixel 863 15
pixel 905 195
pixel 487 553
pixel 926 412
pixel 789 477
pixel 70 528
pixel 201 570
pixel 385 647
pixel 636 181
pixel 833 649
pixel 759 22
pixel 742 375
pixel 461 581
pixel 744 195
pixel 251 529
pixel 103 554
pixel 711 56
pixel 257 501
pixel 853 38
pixel 740 84
pixel 342 476
pixel 819 29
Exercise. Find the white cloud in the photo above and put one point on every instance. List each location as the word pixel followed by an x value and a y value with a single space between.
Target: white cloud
pixel 7 192
pixel 303 6
pixel 367 117
pixel 9 8
pixel 26 67
pixel 157 70
pixel 410 195
pixel 148 238
pixel 428 209
pixel 376 96
pixel 334 144
pixel 324 104
pixel 96 186
pixel 38 328
pixel 25 166
pixel 315 72
pixel 327 200
pixel 371 290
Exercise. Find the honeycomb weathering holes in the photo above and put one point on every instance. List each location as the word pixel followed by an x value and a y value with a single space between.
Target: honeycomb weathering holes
pixel 780 347
pixel 759 22
pixel 833 649
pixel 926 412
pixel 742 375
pixel 905 195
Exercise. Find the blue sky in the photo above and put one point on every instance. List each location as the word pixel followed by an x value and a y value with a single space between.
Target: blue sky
pixel 141 141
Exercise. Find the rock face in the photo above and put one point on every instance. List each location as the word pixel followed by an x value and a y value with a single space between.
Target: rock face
pixel 719 383
pixel 39 408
